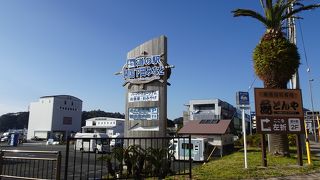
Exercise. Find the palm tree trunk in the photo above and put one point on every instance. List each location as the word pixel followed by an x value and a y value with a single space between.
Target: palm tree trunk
pixel 279 143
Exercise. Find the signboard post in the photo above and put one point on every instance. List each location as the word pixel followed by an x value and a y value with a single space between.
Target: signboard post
pixel 243 103
pixel 279 111
pixel 146 73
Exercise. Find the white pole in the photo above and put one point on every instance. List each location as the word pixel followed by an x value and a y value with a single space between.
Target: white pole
pixel 244 139
pixel 250 118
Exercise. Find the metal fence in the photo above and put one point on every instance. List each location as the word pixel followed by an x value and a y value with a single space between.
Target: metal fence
pixel 126 158
pixel 19 164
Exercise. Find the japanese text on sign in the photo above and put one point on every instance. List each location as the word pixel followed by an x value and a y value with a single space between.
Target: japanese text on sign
pixel 280 125
pixel 143 113
pixel 143 96
pixel 143 67
pixel 278 102
pixel 279 111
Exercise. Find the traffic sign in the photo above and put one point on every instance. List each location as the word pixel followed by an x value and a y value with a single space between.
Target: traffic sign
pixel 243 98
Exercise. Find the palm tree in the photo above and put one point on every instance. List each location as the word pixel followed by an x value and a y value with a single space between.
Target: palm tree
pixel 275 58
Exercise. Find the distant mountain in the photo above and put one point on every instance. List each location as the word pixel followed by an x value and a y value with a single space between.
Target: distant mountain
pixel 17 120
pixel 20 120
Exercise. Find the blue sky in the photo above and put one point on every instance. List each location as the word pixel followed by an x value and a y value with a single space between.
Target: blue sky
pixel 74 47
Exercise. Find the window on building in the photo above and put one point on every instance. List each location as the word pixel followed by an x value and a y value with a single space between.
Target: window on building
pixel 209 121
pixel 187 146
pixel 65 102
pixel 67 120
pixel 204 107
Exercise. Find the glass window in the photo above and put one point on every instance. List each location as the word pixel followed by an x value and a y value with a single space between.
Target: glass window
pixel 187 146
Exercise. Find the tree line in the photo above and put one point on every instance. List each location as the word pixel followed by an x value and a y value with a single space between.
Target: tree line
pixel 20 120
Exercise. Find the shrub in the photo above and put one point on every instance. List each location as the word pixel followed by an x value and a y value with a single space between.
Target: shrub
pixel 252 140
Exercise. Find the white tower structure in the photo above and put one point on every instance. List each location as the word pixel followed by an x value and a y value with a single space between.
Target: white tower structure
pixel 54 116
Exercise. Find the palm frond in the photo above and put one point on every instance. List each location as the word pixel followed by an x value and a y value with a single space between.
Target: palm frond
pixel 262 4
pixel 269 4
pixel 303 8
pixel 249 13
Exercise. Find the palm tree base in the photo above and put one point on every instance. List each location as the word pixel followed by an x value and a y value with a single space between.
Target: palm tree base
pixel 279 145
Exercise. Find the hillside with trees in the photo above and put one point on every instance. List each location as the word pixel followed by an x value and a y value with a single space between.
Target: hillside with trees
pixel 14 121
pixel 20 120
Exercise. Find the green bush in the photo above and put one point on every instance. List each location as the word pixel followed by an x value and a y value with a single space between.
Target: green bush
pixel 252 140
pixel 292 139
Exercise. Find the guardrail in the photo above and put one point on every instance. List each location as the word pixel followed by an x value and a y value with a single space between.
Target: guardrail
pixel 20 164
pixel 126 158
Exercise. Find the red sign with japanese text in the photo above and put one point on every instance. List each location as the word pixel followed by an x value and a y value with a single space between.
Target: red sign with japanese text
pixel 279 111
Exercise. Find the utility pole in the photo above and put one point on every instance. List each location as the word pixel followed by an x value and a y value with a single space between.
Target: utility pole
pixel 295 83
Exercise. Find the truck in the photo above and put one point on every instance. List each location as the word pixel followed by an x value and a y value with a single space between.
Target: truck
pixel 92 142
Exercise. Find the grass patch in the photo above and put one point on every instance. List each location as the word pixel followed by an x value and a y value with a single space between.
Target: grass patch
pixel 232 167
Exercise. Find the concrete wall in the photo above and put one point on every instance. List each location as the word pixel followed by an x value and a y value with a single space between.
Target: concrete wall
pixel 40 117
pixel 194 112
pixel 105 125
pixel 70 108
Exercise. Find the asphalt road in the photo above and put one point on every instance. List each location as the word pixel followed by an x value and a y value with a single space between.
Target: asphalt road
pixel 80 165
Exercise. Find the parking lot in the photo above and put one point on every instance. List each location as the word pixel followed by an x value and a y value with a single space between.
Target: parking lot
pixel 80 165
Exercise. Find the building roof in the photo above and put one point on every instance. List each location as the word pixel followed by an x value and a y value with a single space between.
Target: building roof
pixel 96 127
pixel 104 119
pixel 195 127
pixel 61 96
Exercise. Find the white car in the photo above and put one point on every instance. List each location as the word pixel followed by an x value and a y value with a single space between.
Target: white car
pixel 4 139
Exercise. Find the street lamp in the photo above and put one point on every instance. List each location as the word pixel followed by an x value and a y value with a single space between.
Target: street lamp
pixel 313 121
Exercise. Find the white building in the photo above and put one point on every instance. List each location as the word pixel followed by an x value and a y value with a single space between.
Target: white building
pixel 54 117
pixel 214 109
pixel 209 109
pixel 113 127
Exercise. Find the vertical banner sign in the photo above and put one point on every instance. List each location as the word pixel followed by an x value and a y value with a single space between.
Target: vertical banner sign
pixel 145 73
pixel 279 111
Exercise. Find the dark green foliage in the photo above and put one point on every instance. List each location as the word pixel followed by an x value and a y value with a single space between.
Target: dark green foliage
pixel 252 140
pixel 275 61
pixel 178 120
pixel 140 162
pixel 14 121
pixel 170 123
pixel 292 139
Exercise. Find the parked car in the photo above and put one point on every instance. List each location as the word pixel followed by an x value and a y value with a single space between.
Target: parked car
pixel 4 139
pixel 36 138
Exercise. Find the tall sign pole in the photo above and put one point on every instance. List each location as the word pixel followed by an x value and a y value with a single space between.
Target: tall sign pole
pixel 146 72
pixel 242 99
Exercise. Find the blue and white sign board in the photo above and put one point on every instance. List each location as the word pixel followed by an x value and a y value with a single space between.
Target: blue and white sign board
pixel 143 113
pixel 143 67
pixel 143 96
pixel 243 98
